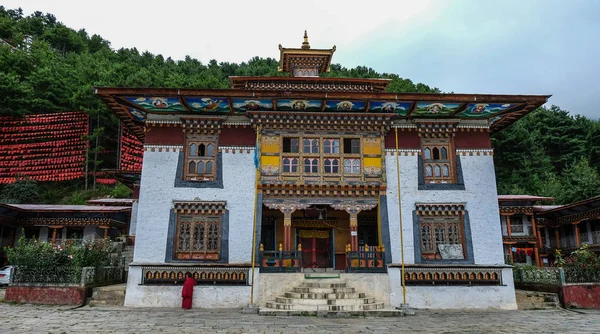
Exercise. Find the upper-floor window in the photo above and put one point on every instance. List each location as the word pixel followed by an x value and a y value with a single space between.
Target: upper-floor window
pixel 200 157
pixel 352 145
pixel 311 145
pixel 438 161
pixel 291 145
pixel 331 145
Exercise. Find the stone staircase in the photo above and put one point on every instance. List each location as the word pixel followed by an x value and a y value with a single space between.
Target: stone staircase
pixel 110 295
pixel 534 300
pixel 326 296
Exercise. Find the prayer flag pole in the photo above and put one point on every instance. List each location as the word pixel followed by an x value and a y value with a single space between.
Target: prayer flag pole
pixel 256 165
pixel 400 216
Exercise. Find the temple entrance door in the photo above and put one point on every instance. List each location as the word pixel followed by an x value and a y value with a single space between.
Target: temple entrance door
pixel 316 248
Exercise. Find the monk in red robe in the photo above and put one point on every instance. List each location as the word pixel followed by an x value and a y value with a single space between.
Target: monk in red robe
pixel 188 291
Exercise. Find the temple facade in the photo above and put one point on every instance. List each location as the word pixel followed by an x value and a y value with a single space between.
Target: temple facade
pixel 254 188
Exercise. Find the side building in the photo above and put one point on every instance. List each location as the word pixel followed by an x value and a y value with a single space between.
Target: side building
pixel 306 175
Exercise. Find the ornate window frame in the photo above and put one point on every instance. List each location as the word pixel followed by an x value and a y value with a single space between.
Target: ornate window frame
pixel 200 150
pixel 196 214
pixel 448 218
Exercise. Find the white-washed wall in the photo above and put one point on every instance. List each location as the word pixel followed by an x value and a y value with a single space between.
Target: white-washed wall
pixel 455 297
pixel 157 193
pixel 480 196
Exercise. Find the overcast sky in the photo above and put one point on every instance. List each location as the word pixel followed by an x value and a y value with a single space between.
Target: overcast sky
pixel 461 46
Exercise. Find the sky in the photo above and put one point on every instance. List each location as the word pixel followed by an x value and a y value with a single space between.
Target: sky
pixel 462 46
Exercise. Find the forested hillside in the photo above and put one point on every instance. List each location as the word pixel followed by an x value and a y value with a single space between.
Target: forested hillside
pixel 48 67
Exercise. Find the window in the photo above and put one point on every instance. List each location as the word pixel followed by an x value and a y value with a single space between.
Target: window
pixel 290 145
pixel 442 238
pixel 311 165
pixel 516 224
pixel 351 145
pixel 201 157
pixel 352 166
pixel 331 145
pixel 290 165
pixel 198 237
pixel 332 166
pixel 438 164
pixel 311 145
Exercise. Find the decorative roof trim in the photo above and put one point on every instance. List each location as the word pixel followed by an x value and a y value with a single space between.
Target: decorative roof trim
pixel 405 152
pixel 157 121
pixel 477 152
pixel 439 209
pixel 200 207
pixel 166 148
pixel 237 149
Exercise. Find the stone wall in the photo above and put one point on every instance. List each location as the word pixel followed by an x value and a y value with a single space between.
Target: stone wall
pixel 455 297
pixel 480 196
pixel 45 294
pixel 205 296
pixel 157 193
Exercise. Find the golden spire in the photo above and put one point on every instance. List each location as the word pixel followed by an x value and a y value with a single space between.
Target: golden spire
pixel 305 44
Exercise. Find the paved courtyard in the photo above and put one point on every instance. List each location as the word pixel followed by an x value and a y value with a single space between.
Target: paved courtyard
pixel 52 319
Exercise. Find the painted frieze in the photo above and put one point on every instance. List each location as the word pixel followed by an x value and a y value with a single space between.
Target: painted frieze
pixel 158 104
pixel 484 110
pixel 208 104
pixel 400 108
pixel 435 109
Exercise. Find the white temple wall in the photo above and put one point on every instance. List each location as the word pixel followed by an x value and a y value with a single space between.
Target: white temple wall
pixel 455 297
pixel 205 296
pixel 480 196
pixel 157 192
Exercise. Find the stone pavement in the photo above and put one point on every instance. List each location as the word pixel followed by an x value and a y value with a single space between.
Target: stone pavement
pixel 53 319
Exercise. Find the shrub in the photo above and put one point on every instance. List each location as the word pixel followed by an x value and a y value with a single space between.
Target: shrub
pixel 581 265
pixel 42 254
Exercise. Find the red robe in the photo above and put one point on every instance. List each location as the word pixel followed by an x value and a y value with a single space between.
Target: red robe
pixel 187 292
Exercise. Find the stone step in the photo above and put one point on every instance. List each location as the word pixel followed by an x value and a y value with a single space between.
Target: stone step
pixel 323 290
pixel 535 300
pixel 322 276
pixel 323 285
pixel 298 307
pixel 331 314
pixel 350 301
pixel 341 295
pixel 108 295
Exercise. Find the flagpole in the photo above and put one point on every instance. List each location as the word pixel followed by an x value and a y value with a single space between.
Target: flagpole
pixel 400 215
pixel 256 165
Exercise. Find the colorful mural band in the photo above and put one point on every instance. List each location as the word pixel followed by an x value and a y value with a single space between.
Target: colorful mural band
pixel 435 109
pixel 401 108
pixel 158 104
pixel 220 105
pixel 481 110
pixel 208 104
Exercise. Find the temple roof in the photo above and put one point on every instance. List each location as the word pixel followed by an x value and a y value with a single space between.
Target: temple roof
pixel 132 105
pixel 304 57
pixel 503 198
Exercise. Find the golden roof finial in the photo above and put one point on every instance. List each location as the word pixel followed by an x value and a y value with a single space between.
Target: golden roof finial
pixel 305 44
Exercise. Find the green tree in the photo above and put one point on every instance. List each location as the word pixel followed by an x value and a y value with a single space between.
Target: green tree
pixel 22 191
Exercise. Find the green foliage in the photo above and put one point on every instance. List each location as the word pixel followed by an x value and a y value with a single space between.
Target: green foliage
pixel 120 191
pixel 22 191
pixel 34 253
pixel 549 153
pixel 581 265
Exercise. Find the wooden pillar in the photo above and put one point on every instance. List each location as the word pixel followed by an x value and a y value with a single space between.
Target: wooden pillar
pixel 534 227
pixel 54 231
pixel 557 236
pixel 577 238
pixel 510 253
pixel 508 229
pixel 536 253
pixel 287 229
pixel 354 230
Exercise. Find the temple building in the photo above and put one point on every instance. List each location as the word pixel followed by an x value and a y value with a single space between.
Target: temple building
pixel 532 233
pixel 304 175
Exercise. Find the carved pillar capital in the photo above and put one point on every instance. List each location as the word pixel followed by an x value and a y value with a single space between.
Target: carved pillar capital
pixel 353 208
